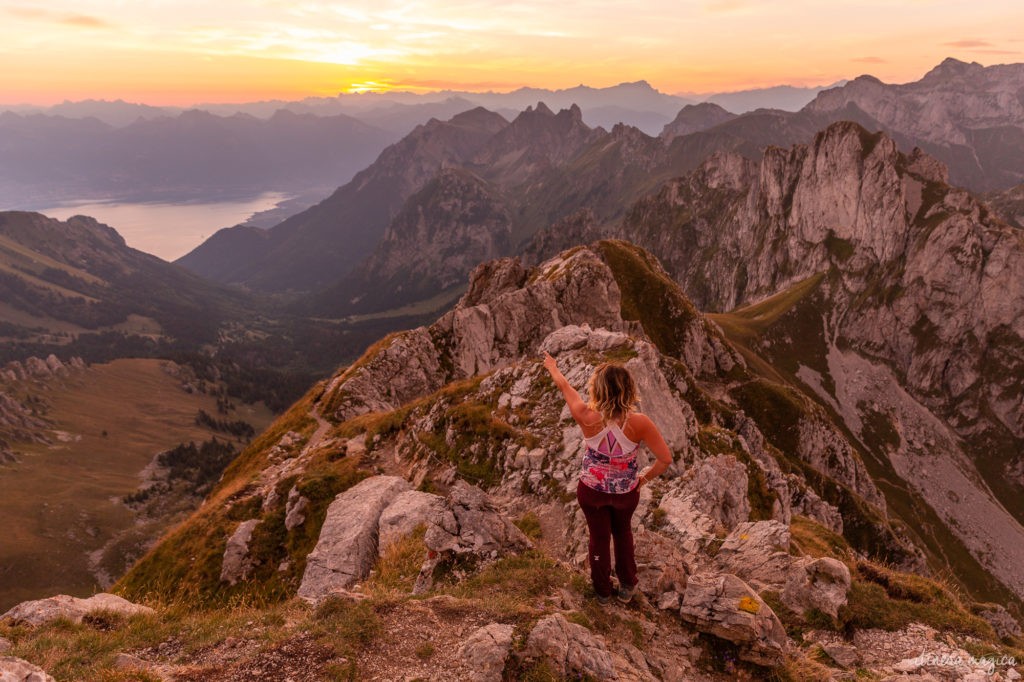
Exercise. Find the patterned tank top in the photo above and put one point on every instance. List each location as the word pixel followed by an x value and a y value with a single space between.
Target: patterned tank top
pixel 609 464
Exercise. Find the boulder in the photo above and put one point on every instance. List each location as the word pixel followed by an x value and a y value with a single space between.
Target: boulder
pixel 692 529
pixel 347 547
pixel 41 611
pixel 716 487
pixel 572 649
pixel 757 552
pixel 725 606
pixel 295 509
pixel 237 563
pixel 821 584
pixel 468 524
pixel 16 670
pixel 407 511
pixel 661 567
pixel 485 651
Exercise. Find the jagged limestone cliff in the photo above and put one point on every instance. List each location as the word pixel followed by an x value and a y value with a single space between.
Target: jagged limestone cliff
pixel 908 317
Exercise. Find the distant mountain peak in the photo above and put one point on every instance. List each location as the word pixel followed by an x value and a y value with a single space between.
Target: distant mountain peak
pixel 542 108
pixel 478 117
pixel 952 68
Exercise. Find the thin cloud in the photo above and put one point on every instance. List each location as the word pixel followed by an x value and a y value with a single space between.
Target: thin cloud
pixel 968 43
pixel 79 20
pixel 84 21
pixel 26 12
pixel 870 60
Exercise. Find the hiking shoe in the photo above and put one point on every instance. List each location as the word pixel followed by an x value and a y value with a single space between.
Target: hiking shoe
pixel 625 594
pixel 604 599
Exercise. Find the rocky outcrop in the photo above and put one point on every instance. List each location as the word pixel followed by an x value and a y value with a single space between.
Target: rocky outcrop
pixel 725 606
pixel 237 563
pixel 41 611
pixel 469 524
pixel 407 512
pixel 403 368
pixel 758 552
pixel 1001 621
pixel 295 509
pixel 16 670
pixel 662 568
pixel 821 584
pixel 478 336
pixel 484 652
pixel 39 368
pixel 347 547
pixel 710 499
pixel 571 648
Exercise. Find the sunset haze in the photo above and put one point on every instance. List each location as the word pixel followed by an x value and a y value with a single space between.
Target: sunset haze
pixel 184 52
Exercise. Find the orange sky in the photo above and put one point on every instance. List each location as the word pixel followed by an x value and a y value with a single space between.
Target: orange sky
pixel 187 51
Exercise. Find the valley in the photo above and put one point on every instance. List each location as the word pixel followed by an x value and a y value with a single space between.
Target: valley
pixel 62 498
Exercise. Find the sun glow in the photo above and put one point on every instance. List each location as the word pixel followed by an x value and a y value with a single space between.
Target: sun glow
pixel 189 51
pixel 369 86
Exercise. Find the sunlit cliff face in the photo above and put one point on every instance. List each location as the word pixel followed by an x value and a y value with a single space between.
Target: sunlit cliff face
pixel 187 51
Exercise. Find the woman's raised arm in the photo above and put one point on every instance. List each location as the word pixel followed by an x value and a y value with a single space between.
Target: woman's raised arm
pixel 578 408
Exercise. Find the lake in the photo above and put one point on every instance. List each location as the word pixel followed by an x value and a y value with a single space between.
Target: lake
pixel 168 230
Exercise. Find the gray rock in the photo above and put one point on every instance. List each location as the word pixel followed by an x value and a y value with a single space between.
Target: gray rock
pixel 757 552
pixel 5 645
pixel 16 670
pixel 821 584
pixel 407 511
pixel 295 509
pixel 571 648
pixel 725 606
pixel 237 563
pixel 845 655
pixel 347 547
pixel 469 524
pixel 484 652
pixel 1001 621
pixel 661 567
pixel 41 611
pixel 709 498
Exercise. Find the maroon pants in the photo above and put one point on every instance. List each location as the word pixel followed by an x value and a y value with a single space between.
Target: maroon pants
pixel 608 516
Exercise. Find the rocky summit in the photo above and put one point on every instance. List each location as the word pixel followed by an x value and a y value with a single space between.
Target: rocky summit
pixel 414 516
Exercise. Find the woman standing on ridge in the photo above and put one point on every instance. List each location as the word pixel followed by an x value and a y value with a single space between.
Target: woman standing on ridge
pixel 610 481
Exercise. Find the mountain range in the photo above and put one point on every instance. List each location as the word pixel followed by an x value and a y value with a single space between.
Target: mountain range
pixel 542 167
pixel 636 104
pixel 193 156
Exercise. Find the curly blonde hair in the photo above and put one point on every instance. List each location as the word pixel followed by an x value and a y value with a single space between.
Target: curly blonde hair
pixel 612 391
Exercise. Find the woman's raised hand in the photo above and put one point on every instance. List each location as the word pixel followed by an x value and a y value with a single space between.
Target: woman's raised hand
pixel 550 364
